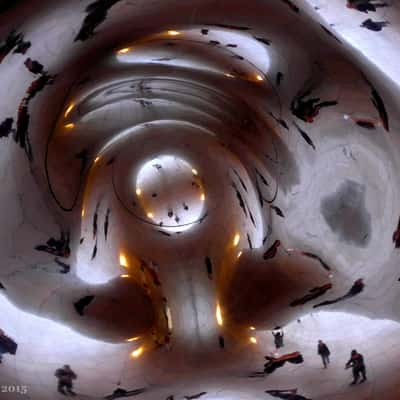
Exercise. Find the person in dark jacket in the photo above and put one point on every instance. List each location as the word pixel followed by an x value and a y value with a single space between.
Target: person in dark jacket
pixel 324 352
pixel 65 376
pixel 357 363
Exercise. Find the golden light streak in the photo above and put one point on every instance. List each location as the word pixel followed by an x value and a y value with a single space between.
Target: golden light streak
pixel 137 353
pixel 69 126
pixel 194 171
pixel 138 191
pixel 83 212
pixel 252 328
pixel 96 159
pixel 125 276
pixel 218 315
pixel 134 339
pixel 259 78
pixel 239 254
pixel 150 215
pixel 236 240
pixel 68 110
pixel 173 33
pixel 203 197
pixel 229 75
pixel 123 261
pixel 253 340
pixel 169 318
pixel 124 50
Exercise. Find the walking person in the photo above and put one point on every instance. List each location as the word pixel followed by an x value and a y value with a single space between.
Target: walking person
pixel 65 376
pixel 324 352
pixel 278 337
pixel 357 363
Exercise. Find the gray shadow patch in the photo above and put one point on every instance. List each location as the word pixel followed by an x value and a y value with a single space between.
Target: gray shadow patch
pixel 346 214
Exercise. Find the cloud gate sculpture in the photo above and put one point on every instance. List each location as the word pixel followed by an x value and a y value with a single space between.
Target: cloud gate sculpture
pixel 200 199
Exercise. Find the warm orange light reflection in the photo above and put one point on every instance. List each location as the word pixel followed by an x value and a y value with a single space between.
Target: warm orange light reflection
pixel 239 254
pixel 252 328
pixel 134 339
pixel 123 51
pixel 83 212
pixel 259 78
pixel 203 197
pixel 229 75
pixel 137 353
pixel 194 171
pixel 173 33
pixel 68 110
pixel 253 340
pixel 125 276
pixel 123 261
pixel 138 191
pixel 96 159
pixel 218 315
pixel 150 215
pixel 236 240
pixel 69 126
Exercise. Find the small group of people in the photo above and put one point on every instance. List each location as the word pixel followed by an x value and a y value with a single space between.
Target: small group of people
pixel 356 361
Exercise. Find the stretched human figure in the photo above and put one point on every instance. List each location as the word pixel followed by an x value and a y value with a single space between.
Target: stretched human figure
pixel 106 223
pixel 357 288
pixel 357 363
pixel 65 377
pixel 118 393
pixel 6 127
pixel 396 236
pixel 57 247
pixel 195 396
pixel 324 352
pixel 290 394
pixel 313 294
pixel 271 252
pixel 96 14
pixel 7 345
pixel 308 109
pixel 365 5
pixel 273 363
pixel 14 39
pixel 375 26
pixel 319 259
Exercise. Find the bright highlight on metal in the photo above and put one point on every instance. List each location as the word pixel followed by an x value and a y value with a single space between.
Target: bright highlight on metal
pixel 173 33
pixel 123 260
pixel 218 315
pixel 134 339
pixel 137 353
pixel 236 240
pixel 68 110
